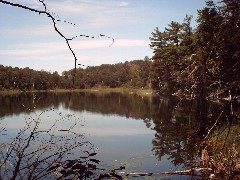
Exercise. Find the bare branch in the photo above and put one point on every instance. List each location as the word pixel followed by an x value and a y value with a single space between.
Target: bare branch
pixel 54 21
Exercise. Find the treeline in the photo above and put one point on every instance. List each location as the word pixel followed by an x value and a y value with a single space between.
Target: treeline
pixel 200 62
pixel 135 74
pixel 29 79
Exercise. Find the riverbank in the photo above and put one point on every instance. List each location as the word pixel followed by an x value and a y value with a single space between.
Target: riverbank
pixel 141 92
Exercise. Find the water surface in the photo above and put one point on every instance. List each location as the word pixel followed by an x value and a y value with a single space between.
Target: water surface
pixel 143 134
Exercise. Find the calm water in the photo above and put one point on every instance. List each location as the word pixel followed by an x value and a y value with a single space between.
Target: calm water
pixel 144 134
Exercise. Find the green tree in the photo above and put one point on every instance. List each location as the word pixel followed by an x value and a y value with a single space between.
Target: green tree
pixel 218 46
pixel 171 49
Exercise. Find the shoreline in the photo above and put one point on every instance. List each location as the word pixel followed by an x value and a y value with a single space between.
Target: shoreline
pixel 142 92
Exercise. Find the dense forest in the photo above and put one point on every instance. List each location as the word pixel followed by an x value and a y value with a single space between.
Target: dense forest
pixel 187 62
pixel 129 74
pixel 200 62
pixel 193 64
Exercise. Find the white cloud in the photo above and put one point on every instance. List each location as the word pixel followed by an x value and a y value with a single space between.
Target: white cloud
pixel 123 3
pixel 24 52
pixel 32 4
pixel 104 43
pixel 39 49
pixel 41 30
pixel 89 15
pixel 131 43
pixel 56 47
pixel 96 13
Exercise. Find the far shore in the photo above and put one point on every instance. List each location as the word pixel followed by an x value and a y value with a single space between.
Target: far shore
pixel 142 92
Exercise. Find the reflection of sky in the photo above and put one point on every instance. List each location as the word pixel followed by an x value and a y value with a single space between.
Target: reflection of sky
pixel 95 124
pixel 118 140
pixel 113 125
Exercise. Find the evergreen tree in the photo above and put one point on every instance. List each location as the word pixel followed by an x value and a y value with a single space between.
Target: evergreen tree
pixel 171 49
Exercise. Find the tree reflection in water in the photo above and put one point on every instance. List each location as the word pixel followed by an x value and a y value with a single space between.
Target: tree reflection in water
pixel 45 149
pixel 173 120
pixel 176 129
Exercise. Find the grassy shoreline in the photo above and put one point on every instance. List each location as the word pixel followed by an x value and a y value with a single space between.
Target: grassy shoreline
pixel 142 92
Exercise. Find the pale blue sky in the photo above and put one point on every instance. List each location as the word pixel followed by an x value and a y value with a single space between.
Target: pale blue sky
pixel 28 39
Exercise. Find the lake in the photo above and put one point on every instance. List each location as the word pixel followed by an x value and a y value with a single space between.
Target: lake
pixel 135 135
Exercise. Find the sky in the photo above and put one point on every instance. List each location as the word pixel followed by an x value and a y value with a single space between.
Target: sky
pixel 28 39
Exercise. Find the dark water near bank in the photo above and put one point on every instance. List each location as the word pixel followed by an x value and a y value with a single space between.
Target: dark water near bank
pixel 143 134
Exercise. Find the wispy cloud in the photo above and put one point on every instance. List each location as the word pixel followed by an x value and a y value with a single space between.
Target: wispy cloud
pixel 32 4
pixel 131 43
pixel 97 13
pixel 41 30
pixel 123 3
pixel 35 49
pixel 87 14
pixel 56 47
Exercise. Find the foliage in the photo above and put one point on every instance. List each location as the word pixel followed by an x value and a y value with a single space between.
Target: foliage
pixel 221 154
pixel 174 122
pixel 171 47
pixel 50 152
pixel 204 60
pixel 134 74
pixel 199 63
pixel 38 151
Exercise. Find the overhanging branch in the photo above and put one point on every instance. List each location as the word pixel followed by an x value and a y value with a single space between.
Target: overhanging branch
pixel 54 21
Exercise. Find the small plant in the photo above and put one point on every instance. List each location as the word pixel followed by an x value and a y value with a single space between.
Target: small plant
pixel 222 156
pixel 43 147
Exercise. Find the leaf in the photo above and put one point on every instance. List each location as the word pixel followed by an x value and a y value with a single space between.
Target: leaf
pixel 84 157
pixel 67 173
pixel 102 176
pixel 120 168
pixel 88 173
pixel 92 154
pixel 79 166
pixel 92 166
pixel 63 130
pixel 116 175
pixel 53 168
pixel 70 163
pixel 63 171
pixel 95 160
